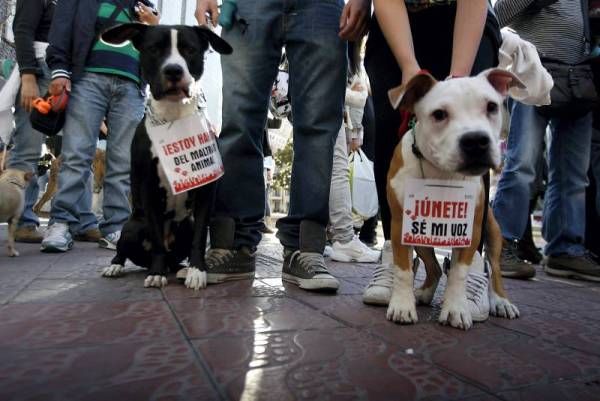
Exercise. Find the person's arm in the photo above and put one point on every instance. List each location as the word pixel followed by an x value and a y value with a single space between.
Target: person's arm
pixel 393 19
pixel 507 10
pixel 58 54
pixel 355 19
pixel 468 29
pixel 28 15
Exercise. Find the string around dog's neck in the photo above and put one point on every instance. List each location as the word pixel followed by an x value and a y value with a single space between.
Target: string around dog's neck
pixel 412 125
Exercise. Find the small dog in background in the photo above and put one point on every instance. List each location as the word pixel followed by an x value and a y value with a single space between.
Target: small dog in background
pixel 12 201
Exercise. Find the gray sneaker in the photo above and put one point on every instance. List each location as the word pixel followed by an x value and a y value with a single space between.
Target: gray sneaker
pixel 511 265
pixel 308 271
pixel 229 264
pixel 583 267
pixel 110 241
pixel 57 238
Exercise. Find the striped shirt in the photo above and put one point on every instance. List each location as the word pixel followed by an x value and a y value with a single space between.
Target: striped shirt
pixel 122 59
pixel 556 30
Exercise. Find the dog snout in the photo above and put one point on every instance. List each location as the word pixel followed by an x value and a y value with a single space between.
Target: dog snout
pixel 173 72
pixel 475 142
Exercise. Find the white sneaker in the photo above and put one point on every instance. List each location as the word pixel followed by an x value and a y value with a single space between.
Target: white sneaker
pixel 379 289
pixel 354 251
pixel 477 289
pixel 327 251
pixel 109 241
pixel 57 238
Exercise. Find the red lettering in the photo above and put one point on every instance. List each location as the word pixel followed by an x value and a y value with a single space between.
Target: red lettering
pixel 447 206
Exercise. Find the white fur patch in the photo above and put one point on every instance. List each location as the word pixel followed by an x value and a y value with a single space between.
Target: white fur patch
pixel 176 58
pixel 502 307
pixel 113 271
pixel 402 307
pixel 195 279
pixel 455 309
pixel 155 281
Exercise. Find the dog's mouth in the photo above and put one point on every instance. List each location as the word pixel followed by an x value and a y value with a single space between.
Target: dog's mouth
pixel 173 92
pixel 476 167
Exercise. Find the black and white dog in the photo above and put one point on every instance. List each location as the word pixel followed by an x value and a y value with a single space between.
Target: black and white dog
pixel 165 229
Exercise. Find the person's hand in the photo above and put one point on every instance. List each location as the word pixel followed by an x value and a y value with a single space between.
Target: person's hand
pixel 354 20
pixel 355 144
pixel 206 6
pixel 409 71
pixel 59 85
pixel 146 15
pixel 29 91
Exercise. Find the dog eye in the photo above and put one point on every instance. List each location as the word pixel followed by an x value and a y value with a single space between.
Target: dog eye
pixel 492 108
pixel 187 51
pixel 439 115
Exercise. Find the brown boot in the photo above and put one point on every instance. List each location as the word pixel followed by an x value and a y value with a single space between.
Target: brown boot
pixel 29 235
pixel 91 235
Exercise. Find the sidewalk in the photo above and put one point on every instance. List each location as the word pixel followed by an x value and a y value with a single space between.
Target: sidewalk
pixel 68 334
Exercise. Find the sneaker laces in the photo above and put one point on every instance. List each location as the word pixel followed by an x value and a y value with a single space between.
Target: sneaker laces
pixel 215 257
pixel 511 253
pixel 383 276
pixel 310 262
pixel 476 285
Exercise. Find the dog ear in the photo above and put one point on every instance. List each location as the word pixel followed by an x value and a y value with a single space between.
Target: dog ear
pixel 502 80
pixel 406 96
pixel 121 33
pixel 216 42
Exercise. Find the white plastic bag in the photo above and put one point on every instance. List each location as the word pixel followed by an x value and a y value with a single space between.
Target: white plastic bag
pixel 362 185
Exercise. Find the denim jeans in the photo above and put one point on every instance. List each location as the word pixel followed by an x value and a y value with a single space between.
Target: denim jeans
pixel 568 163
pixel 340 198
pixel 28 148
pixel 93 97
pixel 317 64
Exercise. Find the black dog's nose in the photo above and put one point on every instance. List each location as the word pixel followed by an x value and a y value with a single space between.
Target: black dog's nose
pixel 173 72
pixel 475 142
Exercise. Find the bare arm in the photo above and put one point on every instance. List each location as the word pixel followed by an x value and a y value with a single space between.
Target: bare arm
pixel 393 19
pixel 468 29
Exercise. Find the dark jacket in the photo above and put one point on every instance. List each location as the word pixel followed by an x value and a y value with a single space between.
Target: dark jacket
pixel 31 23
pixel 72 35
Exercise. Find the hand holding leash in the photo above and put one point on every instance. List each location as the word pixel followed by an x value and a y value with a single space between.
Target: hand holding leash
pixel 204 7
pixel 59 85
pixel 29 91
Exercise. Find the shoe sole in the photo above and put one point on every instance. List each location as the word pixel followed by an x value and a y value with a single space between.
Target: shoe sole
pixel 312 284
pixel 517 275
pixel 376 301
pixel 56 249
pixel 480 318
pixel 570 274
pixel 347 259
pixel 216 278
pixel 104 244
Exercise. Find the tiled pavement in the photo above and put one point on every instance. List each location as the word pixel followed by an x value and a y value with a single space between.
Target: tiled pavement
pixel 68 334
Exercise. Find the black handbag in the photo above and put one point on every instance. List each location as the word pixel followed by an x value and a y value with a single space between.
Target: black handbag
pixel 573 94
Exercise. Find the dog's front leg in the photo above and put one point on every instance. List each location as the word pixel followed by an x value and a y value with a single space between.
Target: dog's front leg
pixel 12 227
pixel 203 201
pixel 402 307
pixel 157 276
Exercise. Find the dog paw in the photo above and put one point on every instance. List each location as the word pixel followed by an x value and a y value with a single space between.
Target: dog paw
pixel 424 296
pixel 155 281
pixel 195 279
pixel 402 310
pixel 113 271
pixel 502 307
pixel 13 253
pixel 456 314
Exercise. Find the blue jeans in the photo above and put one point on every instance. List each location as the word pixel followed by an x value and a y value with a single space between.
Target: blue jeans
pixel 568 163
pixel 28 148
pixel 317 64
pixel 93 97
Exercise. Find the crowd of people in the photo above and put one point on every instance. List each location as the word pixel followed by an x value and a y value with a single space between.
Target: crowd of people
pixel 337 106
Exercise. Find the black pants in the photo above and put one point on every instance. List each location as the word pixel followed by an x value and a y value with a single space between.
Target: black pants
pixel 432 36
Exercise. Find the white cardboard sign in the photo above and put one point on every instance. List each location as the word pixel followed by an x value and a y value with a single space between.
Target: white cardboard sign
pixel 439 213
pixel 187 151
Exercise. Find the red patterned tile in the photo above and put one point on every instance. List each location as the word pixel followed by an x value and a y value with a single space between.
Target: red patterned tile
pixel 241 288
pixel 41 326
pixel 341 364
pixel 218 316
pixel 141 371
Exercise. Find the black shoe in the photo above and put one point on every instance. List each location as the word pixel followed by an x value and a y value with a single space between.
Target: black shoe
pixel 511 265
pixel 529 252
pixel 230 264
pixel 307 270
pixel 584 267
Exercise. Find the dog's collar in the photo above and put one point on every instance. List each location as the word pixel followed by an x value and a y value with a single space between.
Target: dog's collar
pixel 415 149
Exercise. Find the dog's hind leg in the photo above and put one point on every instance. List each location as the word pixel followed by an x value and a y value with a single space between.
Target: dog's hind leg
pixel 12 227
pixel 499 303
pixel 425 293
